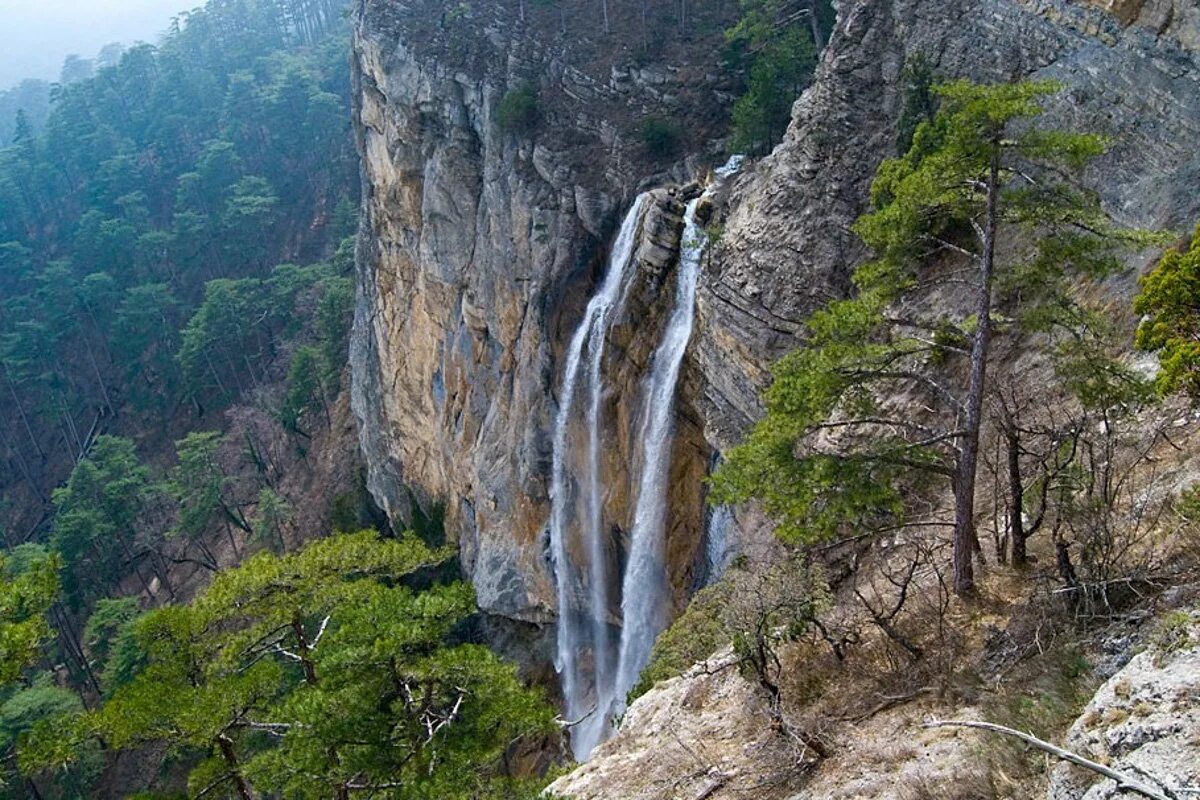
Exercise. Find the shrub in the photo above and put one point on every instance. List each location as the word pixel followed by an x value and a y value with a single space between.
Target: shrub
pixel 520 110
pixel 660 136
pixel 696 635
pixel 1172 635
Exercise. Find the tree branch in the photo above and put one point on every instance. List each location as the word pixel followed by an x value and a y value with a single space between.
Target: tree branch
pixel 1123 781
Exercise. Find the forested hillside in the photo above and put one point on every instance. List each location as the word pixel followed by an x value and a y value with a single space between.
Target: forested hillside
pixel 159 196
pixel 175 291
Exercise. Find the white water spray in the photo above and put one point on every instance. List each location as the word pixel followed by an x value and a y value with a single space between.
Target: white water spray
pixel 644 589
pixel 586 628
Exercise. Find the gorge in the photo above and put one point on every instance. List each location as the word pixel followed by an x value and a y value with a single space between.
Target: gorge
pixel 480 255
pixel 414 399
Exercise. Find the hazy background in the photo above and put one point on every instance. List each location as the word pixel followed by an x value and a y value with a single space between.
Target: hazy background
pixel 36 35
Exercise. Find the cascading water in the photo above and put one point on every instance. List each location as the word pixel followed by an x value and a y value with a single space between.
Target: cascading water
pixel 644 590
pixel 580 629
pixel 716 544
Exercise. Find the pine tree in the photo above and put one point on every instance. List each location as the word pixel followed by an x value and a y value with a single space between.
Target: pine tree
pixel 1169 303
pixel 835 453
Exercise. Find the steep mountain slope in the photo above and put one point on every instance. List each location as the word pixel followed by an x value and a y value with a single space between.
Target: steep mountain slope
pixel 482 241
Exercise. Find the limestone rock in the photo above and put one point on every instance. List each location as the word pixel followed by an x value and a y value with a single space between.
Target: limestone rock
pixel 702 735
pixel 479 249
pixel 1145 720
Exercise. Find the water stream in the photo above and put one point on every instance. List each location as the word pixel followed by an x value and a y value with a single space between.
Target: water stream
pixel 594 698
pixel 582 630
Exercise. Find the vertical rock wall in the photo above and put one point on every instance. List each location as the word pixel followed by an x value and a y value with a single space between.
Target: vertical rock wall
pixel 481 245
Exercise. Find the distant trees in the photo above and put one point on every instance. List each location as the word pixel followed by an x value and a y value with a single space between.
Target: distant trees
pixel 24 106
pixel 200 486
pixel 836 451
pixel 660 136
pixel 222 151
pixel 95 518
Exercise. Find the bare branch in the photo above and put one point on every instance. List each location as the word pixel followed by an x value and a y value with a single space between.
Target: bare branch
pixel 1124 782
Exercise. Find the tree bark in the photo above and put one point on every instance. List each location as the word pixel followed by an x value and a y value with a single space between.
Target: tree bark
pixel 225 744
pixel 1016 498
pixel 968 460
pixel 305 651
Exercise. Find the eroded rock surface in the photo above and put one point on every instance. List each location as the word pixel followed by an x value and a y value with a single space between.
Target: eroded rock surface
pixel 704 734
pixel 1144 721
pixel 481 245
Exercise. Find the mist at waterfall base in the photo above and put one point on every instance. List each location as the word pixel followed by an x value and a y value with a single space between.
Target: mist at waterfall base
pixel 593 698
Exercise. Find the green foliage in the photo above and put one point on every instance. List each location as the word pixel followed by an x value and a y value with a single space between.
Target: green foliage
pixel 206 157
pixel 660 136
pixel 225 338
pixel 1173 634
pixel 39 706
pixel 110 616
pixel 26 594
pixel 1169 303
pixel 110 638
pixel 273 515
pixel 519 110
pixel 777 48
pixel 920 103
pixel 755 609
pixel 304 387
pixel 200 486
pixel 334 314
pixel 318 672
pixel 697 634
pixel 1044 696
pixel 830 457
pixel 95 516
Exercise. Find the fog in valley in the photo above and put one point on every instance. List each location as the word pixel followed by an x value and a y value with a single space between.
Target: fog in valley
pixel 35 37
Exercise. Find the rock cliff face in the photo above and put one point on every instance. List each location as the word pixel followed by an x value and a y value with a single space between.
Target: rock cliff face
pixel 482 239
pixel 1144 721
pixel 482 242
pixel 787 247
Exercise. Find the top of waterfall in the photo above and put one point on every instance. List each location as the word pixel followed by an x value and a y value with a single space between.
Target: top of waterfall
pixel 733 165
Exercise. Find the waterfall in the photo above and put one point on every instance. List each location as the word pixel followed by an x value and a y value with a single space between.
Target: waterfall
pixel 580 629
pixel 644 586
pixel 716 544
pixel 645 591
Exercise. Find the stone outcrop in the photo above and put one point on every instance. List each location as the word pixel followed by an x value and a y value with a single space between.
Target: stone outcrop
pixel 706 735
pixel 1144 721
pixel 703 734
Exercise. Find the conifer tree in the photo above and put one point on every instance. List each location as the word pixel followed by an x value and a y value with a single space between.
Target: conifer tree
pixel 836 452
